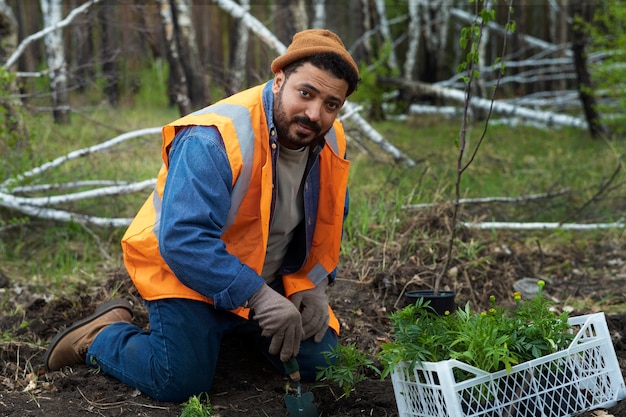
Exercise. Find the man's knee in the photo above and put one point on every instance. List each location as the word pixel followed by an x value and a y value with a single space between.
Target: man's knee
pixel 179 388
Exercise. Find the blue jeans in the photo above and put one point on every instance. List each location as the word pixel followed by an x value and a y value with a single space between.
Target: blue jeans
pixel 177 357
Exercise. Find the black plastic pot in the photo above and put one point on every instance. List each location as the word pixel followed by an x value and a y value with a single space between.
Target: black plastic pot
pixel 442 302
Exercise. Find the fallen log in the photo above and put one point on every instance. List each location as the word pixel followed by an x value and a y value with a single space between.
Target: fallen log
pixel 418 88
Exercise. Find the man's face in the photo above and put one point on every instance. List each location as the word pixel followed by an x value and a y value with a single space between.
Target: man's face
pixel 306 104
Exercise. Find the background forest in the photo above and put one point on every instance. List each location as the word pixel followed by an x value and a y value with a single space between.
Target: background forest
pixel 554 63
pixel 504 116
pixel 208 49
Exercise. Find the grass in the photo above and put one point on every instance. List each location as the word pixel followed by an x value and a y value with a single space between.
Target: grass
pixel 511 162
pixel 197 406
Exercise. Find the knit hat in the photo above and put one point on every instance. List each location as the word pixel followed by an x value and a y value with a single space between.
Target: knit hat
pixel 311 42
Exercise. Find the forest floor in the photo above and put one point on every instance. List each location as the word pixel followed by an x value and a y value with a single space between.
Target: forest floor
pixel 592 272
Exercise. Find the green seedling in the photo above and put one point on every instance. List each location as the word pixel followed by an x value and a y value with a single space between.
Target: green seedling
pixel 347 366
pixel 198 406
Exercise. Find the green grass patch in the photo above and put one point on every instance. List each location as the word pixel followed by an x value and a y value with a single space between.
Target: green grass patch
pixel 511 162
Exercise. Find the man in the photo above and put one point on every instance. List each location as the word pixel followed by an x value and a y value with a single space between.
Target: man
pixel 240 236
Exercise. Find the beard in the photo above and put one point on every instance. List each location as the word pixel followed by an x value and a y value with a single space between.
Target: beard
pixel 292 138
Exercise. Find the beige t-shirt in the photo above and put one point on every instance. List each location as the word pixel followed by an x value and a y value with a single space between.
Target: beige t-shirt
pixel 289 208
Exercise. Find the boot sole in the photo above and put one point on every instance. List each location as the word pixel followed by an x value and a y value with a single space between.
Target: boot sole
pixel 100 311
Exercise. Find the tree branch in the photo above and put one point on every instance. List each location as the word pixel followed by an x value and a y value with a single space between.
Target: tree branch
pixel 38 35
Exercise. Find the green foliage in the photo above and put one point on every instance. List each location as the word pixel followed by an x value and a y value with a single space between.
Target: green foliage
pixel 370 92
pixel 470 38
pixel 347 366
pixel 490 340
pixel 371 217
pixel 59 256
pixel 15 147
pixel 152 86
pixel 197 406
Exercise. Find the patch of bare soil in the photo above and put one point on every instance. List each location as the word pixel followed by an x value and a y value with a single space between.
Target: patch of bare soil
pixel 362 297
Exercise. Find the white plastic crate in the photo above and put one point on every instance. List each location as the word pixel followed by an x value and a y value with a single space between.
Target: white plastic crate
pixel 582 377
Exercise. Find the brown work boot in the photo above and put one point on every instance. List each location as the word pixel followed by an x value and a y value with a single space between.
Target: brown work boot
pixel 70 346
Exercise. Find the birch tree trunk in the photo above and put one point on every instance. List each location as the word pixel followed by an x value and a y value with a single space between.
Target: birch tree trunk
pixel 240 53
pixel 366 27
pixel 546 117
pixel 482 57
pixel 413 33
pixel 290 17
pixel 51 11
pixel 300 16
pixel 386 32
pixel 319 14
pixel 178 80
pixel 185 37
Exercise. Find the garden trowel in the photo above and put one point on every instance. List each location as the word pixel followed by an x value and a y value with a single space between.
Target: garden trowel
pixel 302 405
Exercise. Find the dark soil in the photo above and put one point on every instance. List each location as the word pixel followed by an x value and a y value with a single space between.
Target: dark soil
pixel 593 272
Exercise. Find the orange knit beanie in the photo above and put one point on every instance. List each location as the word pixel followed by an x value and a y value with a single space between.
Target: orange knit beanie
pixel 311 42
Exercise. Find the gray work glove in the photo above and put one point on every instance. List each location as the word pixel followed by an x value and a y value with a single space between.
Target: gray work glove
pixel 279 319
pixel 313 306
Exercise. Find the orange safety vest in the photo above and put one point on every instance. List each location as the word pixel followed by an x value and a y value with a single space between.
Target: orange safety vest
pixel 241 121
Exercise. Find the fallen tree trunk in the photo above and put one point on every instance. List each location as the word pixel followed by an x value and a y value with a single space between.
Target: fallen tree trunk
pixel 418 88
pixel 543 225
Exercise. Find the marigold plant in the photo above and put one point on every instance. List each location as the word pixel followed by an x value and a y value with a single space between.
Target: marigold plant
pixel 490 340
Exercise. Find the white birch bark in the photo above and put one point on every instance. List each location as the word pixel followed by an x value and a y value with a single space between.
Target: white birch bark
pixel 55 51
pixel 241 54
pixel 196 87
pixel 386 32
pixel 46 30
pixel 430 40
pixel 482 57
pixel 486 200
pixel 443 27
pixel 546 117
pixel 178 74
pixel 80 153
pixel 253 24
pixel 543 226
pixel 319 14
pixel 40 207
pixel 300 16
pixel 414 39
pixel 367 18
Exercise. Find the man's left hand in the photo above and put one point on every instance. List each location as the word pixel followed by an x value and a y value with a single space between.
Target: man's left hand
pixel 313 306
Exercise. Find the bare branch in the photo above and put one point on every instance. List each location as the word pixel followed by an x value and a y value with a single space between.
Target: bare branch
pixel 540 225
pixel 38 35
pixel 80 153
pixel 8 201
pixel 499 107
pixel 83 195
pixel 487 200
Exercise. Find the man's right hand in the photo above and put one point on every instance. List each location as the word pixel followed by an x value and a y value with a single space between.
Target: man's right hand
pixel 279 319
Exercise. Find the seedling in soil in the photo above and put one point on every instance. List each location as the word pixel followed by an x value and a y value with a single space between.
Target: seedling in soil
pixel 347 366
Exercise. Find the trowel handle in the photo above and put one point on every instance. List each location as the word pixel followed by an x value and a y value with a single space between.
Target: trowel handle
pixel 292 369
